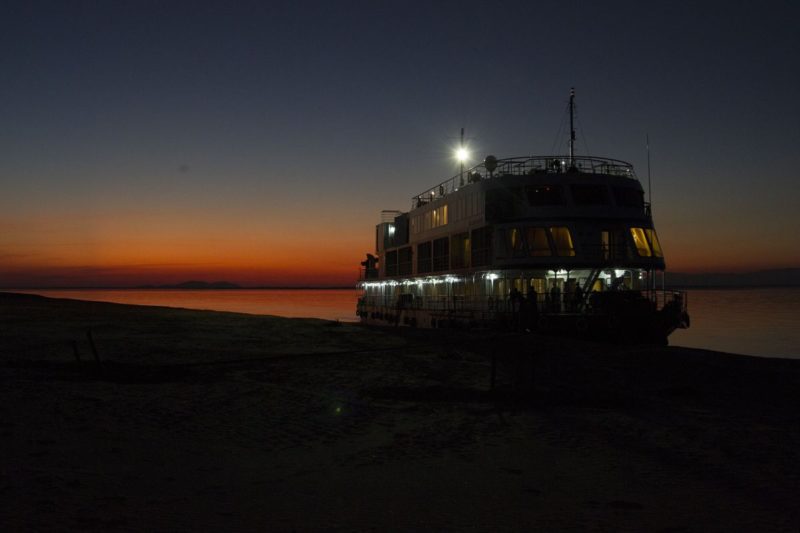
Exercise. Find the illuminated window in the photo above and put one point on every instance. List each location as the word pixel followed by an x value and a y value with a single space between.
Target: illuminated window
pixel 654 244
pixel 516 242
pixel 605 244
pixel 436 217
pixel 538 244
pixel 562 239
pixel 641 242
pixel 515 237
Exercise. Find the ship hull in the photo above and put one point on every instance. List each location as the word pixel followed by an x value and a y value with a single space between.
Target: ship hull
pixel 637 316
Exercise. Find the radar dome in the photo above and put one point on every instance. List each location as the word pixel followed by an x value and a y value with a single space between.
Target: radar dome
pixel 490 163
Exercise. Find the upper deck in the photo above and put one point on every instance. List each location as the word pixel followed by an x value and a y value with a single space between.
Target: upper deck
pixel 525 166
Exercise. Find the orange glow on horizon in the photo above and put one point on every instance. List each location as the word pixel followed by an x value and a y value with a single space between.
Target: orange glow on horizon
pixel 277 247
pixel 130 250
pixel 342 271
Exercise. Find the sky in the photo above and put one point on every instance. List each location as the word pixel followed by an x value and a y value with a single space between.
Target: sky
pixel 257 142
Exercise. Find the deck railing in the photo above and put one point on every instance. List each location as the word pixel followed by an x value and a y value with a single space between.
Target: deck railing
pixel 527 165
pixel 564 304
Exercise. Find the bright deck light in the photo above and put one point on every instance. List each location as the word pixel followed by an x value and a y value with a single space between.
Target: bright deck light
pixel 462 154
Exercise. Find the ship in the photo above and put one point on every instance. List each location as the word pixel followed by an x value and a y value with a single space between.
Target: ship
pixel 557 244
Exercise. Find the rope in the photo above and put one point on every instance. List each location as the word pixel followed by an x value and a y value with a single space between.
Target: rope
pixel 556 143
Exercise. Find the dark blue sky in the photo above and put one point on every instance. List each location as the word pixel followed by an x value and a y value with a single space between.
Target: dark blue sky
pixel 244 120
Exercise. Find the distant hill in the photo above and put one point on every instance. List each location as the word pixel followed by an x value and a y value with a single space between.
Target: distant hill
pixel 195 285
pixel 784 277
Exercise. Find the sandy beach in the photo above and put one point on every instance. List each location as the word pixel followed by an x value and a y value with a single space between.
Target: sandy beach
pixel 200 420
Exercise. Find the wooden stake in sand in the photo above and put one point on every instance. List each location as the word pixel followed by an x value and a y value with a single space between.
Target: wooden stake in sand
pixel 94 348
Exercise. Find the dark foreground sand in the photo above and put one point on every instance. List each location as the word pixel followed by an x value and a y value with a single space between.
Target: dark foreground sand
pixel 221 421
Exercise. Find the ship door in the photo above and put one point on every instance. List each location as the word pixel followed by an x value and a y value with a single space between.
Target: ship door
pixel 613 245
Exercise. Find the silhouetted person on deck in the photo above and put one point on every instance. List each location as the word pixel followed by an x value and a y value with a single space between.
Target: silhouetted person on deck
pixel 532 309
pixel 533 300
pixel 577 297
pixel 514 297
pixel 555 298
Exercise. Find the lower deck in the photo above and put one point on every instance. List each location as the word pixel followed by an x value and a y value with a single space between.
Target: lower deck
pixel 590 301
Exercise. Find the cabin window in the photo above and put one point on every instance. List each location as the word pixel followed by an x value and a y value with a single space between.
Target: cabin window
pixel 404 261
pixel 441 254
pixel 538 245
pixel 629 197
pixel 562 239
pixel 459 250
pixel 654 244
pixel 589 194
pixel 430 219
pixel 481 252
pixel 457 209
pixel 615 245
pixel 504 203
pixel 391 263
pixel 439 216
pixel 474 203
pixel 515 240
pixel 640 242
pixel 539 195
pixel 424 258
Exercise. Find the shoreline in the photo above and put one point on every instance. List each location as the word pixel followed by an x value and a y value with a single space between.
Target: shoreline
pixel 206 419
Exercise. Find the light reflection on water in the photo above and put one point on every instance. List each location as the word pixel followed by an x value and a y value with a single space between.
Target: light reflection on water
pixel 746 321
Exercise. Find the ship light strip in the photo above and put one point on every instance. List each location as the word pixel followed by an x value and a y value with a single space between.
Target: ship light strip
pixel 430 280
pixel 488 276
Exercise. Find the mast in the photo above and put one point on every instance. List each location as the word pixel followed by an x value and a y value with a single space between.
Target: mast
pixel 649 183
pixel 461 159
pixel 572 127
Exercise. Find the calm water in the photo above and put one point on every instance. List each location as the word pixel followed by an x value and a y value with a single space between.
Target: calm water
pixel 762 322
pixel 330 304
pixel 747 321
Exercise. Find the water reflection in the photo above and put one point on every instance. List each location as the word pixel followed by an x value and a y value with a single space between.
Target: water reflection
pixel 746 321
pixel 330 304
pixel 760 322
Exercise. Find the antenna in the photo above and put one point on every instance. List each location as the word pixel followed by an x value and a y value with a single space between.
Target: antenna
pixel 649 183
pixel 571 127
pixel 651 277
pixel 461 147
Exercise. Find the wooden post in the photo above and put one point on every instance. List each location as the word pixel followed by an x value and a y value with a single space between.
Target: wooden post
pixel 91 344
